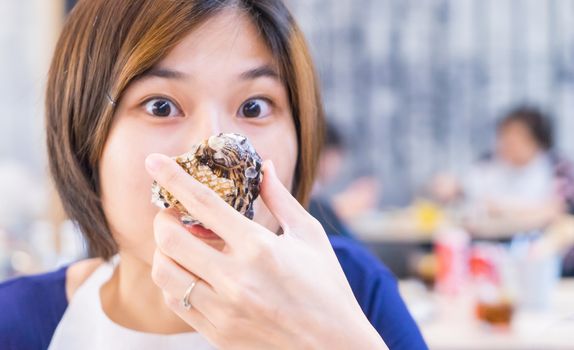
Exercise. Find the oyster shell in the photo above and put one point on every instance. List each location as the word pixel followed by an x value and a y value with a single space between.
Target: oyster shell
pixel 228 164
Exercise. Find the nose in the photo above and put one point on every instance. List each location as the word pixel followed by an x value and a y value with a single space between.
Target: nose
pixel 205 122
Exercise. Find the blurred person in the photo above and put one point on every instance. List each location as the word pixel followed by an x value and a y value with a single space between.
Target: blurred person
pixel 133 82
pixel 357 198
pixel 524 179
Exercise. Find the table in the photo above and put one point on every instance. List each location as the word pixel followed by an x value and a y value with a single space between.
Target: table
pixel 404 226
pixel 398 226
pixel 449 323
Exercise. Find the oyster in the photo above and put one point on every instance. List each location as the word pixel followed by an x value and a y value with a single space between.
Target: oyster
pixel 228 164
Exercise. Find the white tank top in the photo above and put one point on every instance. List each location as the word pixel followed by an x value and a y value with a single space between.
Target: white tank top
pixel 85 326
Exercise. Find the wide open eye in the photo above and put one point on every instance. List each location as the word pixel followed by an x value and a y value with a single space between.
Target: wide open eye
pixel 255 108
pixel 161 107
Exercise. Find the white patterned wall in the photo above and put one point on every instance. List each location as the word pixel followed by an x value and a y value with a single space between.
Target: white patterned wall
pixel 418 84
pixel 28 31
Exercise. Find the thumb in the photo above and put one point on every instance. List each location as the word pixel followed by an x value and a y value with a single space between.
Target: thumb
pixel 279 200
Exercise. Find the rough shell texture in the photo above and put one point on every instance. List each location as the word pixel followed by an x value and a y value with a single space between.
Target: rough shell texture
pixel 228 164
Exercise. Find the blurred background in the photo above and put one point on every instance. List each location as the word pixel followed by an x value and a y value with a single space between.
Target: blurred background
pixel 419 85
pixel 448 154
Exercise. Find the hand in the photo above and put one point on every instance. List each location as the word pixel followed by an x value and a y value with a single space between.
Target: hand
pixel 262 291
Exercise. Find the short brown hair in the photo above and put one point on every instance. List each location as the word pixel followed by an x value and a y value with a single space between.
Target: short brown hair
pixel 105 45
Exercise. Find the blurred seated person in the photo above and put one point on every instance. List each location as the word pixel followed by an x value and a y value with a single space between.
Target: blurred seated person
pixel 360 196
pixel 524 182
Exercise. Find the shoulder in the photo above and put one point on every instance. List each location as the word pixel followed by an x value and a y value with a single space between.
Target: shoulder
pixel 322 210
pixel 354 257
pixel 376 290
pixel 368 276
pixel 32 306
pixel 78 273
pixel 31 309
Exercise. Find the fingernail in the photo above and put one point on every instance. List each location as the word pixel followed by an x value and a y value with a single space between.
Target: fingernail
pixel 154 162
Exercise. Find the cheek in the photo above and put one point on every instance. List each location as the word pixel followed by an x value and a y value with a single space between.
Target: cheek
pixel 125 187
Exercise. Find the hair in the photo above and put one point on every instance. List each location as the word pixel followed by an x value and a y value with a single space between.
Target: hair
pixel 105 45
pixel 538 124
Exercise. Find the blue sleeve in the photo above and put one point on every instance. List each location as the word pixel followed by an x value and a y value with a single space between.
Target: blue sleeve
pixel 376 290
pixel 30 309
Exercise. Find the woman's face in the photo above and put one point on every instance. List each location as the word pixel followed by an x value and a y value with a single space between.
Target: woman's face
pixel 516 145
pixel 220 78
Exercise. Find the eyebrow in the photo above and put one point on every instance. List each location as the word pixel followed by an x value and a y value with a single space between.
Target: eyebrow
pixel 164 73
pixel 252 74
pixel 259 72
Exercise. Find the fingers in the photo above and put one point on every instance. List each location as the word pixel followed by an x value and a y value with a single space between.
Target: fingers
pixel 286 209
pixel 174 280
pixel 200 201
pixel 187 250
pixel 193 317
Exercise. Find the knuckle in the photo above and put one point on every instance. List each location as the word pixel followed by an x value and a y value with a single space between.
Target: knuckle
pixel 225 325
pixel 246 297
pixel 260 249
pixel 235 297
pixel 249 301
pixel 171 301
pixel 263 253
pixel 172 175
pixel 204 195
pixel 167 240
pixel 159 275
pixel 160 223
pixel 231 324
pixel 237 293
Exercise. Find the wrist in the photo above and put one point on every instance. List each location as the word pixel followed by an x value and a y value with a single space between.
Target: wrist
pixel 366 337
pixel 354 334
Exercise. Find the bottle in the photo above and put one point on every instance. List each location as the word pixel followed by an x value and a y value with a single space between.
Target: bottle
pixel 452 251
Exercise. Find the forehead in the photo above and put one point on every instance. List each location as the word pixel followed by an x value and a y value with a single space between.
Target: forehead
pixel 515 126
pixel 228 42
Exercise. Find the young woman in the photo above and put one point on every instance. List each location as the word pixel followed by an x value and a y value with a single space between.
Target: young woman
pixel 135 81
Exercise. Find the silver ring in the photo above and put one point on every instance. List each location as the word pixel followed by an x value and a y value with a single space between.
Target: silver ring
pixel 185 301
